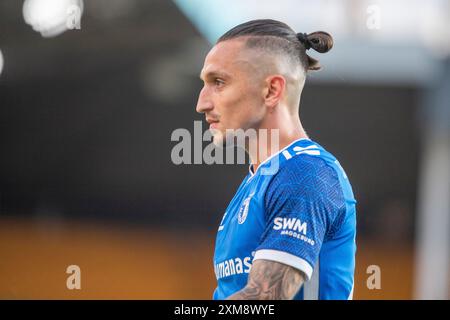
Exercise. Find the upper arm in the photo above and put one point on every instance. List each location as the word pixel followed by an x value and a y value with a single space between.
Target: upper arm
pixel 302 203
pixel 270 280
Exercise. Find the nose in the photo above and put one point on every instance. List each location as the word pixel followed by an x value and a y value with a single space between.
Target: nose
pixel 204 102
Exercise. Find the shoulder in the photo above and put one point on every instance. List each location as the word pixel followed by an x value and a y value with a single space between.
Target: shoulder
pixel 306 169
pixel 306 176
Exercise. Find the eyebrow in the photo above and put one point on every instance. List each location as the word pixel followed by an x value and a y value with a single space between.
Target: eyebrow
pixel 215 74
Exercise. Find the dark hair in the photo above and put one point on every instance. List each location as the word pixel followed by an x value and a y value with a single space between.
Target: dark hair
pixel 279 37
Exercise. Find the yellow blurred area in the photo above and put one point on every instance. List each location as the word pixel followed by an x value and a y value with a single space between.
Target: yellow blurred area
pixel 138 263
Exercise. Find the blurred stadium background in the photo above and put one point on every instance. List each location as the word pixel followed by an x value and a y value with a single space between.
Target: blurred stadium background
pixel 86 117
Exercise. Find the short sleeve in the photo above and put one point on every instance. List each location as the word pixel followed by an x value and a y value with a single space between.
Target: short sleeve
pixel 302 203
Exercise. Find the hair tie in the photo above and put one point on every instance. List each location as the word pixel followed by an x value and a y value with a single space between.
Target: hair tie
pixel 303 38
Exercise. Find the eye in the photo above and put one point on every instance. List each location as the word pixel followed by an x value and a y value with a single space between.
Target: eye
pixel 218 82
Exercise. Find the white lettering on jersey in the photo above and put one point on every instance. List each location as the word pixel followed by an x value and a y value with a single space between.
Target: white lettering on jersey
pixel 292 227
pixel 233 266
pixel 291 224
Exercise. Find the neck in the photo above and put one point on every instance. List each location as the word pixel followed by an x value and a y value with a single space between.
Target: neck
pixel 277 131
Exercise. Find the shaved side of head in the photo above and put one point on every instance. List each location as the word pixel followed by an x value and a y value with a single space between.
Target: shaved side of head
pixel 265 56
pixel 275 49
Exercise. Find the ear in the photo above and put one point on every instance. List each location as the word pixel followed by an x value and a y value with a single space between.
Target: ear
pixel 274 90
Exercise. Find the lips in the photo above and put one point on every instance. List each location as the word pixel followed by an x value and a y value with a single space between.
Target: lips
pixel 212 123
pixel 209 120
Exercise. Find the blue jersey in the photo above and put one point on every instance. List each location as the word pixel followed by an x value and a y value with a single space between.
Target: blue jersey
pixel 298 208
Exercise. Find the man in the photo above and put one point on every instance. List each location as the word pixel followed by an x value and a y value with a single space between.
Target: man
pixel 288 233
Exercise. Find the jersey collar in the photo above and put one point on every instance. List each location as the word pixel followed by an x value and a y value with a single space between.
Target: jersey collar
pixel 250 167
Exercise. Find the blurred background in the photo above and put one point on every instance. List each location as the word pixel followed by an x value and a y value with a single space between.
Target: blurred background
pixel 91 91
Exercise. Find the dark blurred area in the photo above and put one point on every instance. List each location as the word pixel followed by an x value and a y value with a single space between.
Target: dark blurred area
pixel 86 120
pixel 83 136
pixel 81 133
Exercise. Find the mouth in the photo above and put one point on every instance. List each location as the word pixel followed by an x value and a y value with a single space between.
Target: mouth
pixel 212 123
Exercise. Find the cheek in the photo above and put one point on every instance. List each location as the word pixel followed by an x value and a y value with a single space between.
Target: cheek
pixel 251 105
pixel 239 107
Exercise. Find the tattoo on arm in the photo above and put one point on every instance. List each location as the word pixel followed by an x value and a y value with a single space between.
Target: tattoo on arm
pixel 270 280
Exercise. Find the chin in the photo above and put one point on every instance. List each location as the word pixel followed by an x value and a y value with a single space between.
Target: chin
pixel 221 140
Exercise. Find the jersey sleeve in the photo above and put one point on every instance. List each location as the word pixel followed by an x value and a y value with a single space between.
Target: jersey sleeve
pixel 303 203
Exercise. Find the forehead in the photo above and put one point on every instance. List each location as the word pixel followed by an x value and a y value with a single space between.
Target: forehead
pixel 225 57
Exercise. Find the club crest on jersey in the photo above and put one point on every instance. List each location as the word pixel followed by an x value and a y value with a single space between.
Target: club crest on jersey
pixel 243 210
